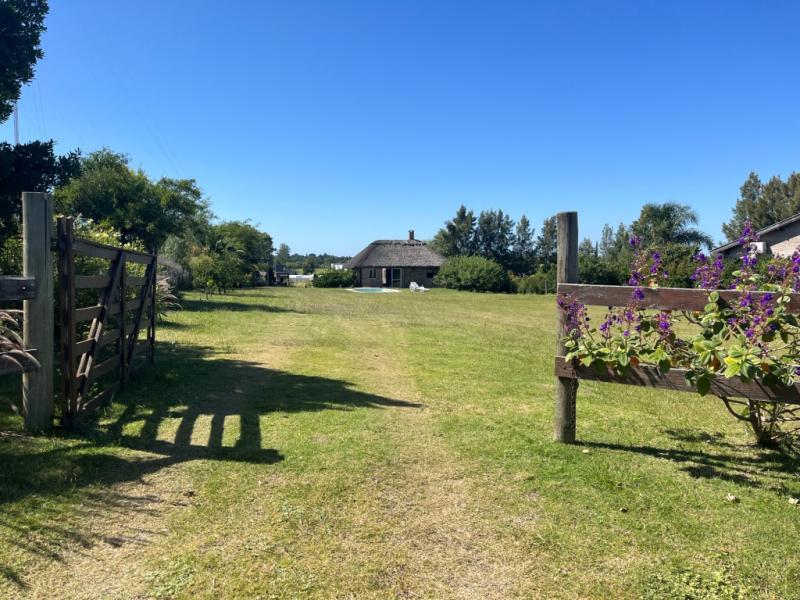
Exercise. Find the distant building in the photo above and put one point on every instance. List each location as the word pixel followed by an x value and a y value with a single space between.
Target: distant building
pixel 396 263
pixel 337 266
pixel 780 239
pixel 281 275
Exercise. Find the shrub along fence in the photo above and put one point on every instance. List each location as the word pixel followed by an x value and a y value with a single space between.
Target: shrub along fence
pixel 106 317
pixel 568 373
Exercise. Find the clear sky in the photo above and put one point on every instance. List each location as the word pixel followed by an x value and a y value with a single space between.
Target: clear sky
pixel 334 123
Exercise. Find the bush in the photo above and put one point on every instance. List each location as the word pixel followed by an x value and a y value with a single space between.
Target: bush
pixel 541 282
pixel 334 279
pixel 473 273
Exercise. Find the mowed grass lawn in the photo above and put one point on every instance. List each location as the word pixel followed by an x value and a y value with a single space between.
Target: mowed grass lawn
pixel 325 444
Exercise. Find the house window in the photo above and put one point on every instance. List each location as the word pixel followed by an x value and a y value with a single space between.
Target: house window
pixel 373 274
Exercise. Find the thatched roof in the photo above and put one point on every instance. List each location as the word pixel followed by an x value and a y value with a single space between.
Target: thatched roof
pixel 396 253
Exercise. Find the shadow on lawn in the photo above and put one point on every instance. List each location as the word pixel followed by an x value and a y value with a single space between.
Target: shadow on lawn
pixel 751 467
pixel 188 406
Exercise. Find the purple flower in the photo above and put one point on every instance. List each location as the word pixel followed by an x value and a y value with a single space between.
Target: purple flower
pixel 638 295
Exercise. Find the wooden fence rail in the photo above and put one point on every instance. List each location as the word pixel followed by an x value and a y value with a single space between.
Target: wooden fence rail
pixel 568 374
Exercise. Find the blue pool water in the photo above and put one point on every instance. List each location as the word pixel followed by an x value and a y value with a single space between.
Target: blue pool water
pixel 372 290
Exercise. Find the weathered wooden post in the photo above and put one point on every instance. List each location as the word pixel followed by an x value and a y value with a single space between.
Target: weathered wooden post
pixel 566 272
pixel 37 261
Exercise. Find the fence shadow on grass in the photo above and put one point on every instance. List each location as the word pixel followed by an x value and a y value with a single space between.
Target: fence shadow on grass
pixel 718 459
pixel 191 405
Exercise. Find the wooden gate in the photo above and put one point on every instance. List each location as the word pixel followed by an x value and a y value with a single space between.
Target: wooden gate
pixel 107 320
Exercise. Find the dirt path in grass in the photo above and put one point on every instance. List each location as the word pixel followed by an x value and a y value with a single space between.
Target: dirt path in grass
pixel 428 497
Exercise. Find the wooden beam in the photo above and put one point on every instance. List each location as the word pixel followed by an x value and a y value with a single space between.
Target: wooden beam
pixel 566 272
pixel 657 299
pixel 675 380
pixel 38 327
pixel 17 288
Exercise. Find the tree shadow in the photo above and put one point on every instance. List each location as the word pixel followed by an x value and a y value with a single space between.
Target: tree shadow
pixel 749 467
pixel 192 404
pixel 202 305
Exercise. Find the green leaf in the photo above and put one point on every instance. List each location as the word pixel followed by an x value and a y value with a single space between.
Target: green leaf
pixel 703 385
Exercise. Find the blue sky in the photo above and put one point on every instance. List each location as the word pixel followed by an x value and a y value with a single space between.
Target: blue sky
pixel 334 123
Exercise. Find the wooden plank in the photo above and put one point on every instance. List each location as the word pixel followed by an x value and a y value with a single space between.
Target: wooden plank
pixel 83 282
pixel 93 249
pixel 140 346
pixel 97 371
pixel 38 328
pixel 17 288
pixel 92 312
pixel 85 346
pixel 98 250
pixel 675 380
pixel 138 257
pixel 135 280
pixel 564 425
pixel 18 362
pixel 100 398
pixel 67 311
pixel 657 299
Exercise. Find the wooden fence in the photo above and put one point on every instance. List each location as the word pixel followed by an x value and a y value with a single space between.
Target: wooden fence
pixel 96 366
pixel 102 342
pixel 569 373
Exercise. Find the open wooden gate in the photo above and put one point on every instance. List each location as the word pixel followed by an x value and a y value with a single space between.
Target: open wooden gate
pixel 107 320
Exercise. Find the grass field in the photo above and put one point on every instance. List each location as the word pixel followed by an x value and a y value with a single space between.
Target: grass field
pixel 324 444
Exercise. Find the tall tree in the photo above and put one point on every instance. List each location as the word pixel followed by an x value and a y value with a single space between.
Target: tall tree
pixel 456 238
pixel 546 243
pixel 606 247
pixel 763 204
pixel 494 236
pixel 524 251
pixel 669 223
pixel 21 27
pixel 283 254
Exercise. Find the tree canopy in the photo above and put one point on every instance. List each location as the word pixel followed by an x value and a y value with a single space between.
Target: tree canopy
pixel 31 167
pixel 669 223
pixel 109 191
pixel 21 27
pixel 763 204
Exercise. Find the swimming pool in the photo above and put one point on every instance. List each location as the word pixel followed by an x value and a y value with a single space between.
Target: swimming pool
pixel 372 290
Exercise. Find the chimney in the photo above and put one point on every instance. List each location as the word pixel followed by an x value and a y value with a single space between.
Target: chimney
pixel 410 234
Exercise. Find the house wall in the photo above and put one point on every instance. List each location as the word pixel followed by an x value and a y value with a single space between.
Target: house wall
pixel 784 242
pixel 781 243
pixel 416 274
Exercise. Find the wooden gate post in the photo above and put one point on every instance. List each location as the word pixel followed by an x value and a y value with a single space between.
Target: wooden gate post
pixel 37 386
pixel 566 272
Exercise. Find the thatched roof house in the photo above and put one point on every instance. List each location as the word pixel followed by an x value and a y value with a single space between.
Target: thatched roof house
pixel 396 263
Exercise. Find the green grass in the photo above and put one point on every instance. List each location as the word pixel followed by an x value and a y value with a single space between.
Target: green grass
pixel 319 443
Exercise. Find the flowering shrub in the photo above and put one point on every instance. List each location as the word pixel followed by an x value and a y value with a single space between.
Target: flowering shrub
pixel 755 338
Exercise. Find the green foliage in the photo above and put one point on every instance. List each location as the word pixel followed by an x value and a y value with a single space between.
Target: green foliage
pixel 546 243
pixel 21 28
pixel 669 223
pixel 335 278
pixel 763 205
pixel 31 167
pixel 456 238
pixel 541 282
pixel 691 585
pixel 473 273
pixel 109 191
pixel 282 257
